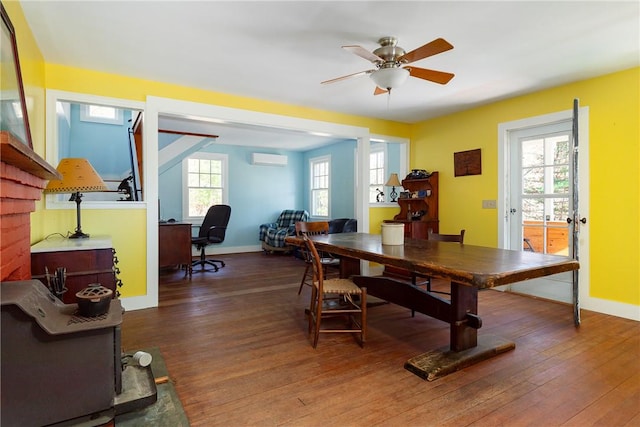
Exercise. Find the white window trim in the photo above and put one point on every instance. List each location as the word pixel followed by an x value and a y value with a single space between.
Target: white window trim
pixel 224 158
pixel 85 115
pixel 312 161
pixel 375 149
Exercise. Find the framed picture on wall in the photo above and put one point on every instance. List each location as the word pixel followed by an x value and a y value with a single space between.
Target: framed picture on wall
pixel 467 163
pixel 13 115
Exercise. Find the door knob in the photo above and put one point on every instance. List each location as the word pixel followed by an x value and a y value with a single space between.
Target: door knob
pixel 582 220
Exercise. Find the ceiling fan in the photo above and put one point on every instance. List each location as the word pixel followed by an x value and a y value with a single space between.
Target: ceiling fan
pixel 390 60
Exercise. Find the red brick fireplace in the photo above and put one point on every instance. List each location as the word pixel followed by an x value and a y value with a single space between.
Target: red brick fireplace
pixel 23 176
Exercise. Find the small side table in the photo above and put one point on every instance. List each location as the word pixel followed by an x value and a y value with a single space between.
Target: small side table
pixel 87 261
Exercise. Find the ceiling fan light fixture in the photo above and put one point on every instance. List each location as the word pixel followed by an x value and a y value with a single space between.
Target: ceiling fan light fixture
pixel 389 78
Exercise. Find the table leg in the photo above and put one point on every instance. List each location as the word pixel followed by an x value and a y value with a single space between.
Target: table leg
pixel 464 301
pixel 461 313
pixel 465 347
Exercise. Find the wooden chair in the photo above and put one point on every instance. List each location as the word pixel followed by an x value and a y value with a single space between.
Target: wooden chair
pixel 335 297
pixel 459 238
pixel 314 228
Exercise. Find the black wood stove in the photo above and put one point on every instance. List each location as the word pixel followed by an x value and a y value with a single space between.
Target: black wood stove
pixel 60 368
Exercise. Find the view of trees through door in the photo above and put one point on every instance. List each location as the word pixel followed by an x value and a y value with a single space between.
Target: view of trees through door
pixel 546 190
pixel 541 196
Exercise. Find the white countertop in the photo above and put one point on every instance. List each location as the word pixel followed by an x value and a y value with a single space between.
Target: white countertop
pixel 58 243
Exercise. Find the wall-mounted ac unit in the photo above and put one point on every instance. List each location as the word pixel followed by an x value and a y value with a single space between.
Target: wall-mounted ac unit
pixel 268 159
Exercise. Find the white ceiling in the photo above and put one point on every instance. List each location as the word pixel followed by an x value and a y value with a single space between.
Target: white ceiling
pixel 281 51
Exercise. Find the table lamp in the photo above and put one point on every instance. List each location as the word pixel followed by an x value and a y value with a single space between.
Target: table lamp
pixel 393 182
pixel 77 176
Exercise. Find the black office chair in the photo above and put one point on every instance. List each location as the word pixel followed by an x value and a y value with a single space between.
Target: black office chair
pixel 212 231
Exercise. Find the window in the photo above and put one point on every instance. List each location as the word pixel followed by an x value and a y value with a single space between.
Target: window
pixel 320 168
pixel 205 178
pixel 101 114
pixel 376 175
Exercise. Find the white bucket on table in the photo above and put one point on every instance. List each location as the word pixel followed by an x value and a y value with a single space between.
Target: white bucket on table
pixel 392 234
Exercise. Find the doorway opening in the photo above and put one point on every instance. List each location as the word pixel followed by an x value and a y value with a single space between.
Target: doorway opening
pixel 536 196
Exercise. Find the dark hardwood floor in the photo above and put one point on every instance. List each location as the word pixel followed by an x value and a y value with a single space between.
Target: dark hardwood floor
pixel 237 351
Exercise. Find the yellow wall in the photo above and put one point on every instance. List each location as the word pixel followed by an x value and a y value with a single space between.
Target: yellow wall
pixel 378 215
pixel 614 135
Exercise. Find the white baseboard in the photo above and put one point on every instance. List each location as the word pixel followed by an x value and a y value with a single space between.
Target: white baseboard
pixel 221 250
pixel 139 302
pixel 613 308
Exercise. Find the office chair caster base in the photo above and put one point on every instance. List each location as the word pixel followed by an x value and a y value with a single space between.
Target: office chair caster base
pixel 203 264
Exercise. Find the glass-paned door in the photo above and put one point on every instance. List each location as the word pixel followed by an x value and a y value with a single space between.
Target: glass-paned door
pixel 546 193
pixel 541 201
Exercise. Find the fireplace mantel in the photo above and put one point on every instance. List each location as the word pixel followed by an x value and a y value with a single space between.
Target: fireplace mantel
pixel 18 154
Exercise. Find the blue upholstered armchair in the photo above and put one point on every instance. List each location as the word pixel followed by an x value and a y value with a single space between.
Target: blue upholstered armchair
pixel 272 235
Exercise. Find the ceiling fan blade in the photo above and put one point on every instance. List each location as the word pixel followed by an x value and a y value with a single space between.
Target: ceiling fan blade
pixel 379 91
pixel 364 53
pixel 431 75
pixel 337 79
pixel 432 48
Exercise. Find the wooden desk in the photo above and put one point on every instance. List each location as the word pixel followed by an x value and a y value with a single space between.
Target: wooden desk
pixel 174 245
pixel 468 267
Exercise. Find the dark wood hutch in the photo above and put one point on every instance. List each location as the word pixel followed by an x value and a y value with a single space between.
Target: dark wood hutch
pixel 418 207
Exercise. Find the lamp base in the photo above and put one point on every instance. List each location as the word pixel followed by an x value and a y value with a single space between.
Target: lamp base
pixel 79 235
pixel 77 197
pixel 393 194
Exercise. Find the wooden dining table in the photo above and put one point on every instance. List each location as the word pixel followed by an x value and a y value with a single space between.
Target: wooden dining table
pixel 469 268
